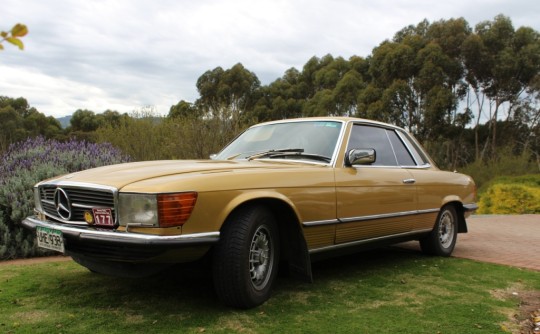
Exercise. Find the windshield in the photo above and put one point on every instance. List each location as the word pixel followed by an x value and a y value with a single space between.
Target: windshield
pixel 316 138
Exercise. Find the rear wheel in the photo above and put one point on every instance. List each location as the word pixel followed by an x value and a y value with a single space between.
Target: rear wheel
pixel 246 258
pixel 442 240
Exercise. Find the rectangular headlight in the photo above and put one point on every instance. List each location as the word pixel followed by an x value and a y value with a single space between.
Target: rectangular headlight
pixel 155 210
pixel 138 209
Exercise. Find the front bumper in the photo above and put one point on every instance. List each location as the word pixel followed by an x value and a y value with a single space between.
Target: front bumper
pixel 125 246
pixel 470 208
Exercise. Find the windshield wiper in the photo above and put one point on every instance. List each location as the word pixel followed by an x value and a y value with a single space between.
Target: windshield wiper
pixel 297 152
pixel 302 155
pixel 270 153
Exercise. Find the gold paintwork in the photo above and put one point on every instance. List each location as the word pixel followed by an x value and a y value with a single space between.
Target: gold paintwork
pixel 314 191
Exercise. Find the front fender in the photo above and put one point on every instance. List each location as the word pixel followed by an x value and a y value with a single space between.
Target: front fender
pixel 249 196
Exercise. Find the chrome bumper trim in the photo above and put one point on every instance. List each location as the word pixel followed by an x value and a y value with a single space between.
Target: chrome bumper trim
pixel 470 207
pixel 106 236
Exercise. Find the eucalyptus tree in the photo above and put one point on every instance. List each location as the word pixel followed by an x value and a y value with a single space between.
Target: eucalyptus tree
pixel 501 63
pixel 184 109
pixel 283 98
pixel 12 127
pixel 84 120
pixel 309 82
pixel 227 94
pixel 346 92
pixel 418 77
pixel 392 70
pixel 226 103
pixel 19 120
pixel 526 115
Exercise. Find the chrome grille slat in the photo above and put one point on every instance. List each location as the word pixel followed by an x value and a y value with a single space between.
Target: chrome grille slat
pixel 85 206
pixel 82 199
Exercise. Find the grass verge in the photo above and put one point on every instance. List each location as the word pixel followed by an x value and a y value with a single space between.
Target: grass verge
pixel 384 291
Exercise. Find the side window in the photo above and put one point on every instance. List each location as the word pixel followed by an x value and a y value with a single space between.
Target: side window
pixel 403 156
pixel 364 136
pixel 416 151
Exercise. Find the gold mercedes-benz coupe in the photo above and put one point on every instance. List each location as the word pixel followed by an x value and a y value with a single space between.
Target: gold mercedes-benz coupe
pixel 281 193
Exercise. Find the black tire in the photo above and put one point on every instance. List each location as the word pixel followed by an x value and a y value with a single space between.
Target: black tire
pixel 245 261
pixel 442 240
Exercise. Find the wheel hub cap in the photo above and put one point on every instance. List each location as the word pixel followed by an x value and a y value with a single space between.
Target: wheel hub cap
pixel 260 258
pixel 446 230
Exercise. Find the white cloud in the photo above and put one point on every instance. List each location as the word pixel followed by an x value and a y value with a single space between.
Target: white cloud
pixel 57 95
pixel 125 54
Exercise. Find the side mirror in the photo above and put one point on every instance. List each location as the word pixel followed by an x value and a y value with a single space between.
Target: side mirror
pixel 360 156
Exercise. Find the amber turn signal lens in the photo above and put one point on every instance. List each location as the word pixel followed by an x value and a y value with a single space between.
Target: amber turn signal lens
pixel 175 209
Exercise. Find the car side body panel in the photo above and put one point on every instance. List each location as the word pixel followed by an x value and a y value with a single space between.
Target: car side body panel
pixel 371 202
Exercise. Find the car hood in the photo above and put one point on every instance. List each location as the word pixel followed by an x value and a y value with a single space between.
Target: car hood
pixel 120 175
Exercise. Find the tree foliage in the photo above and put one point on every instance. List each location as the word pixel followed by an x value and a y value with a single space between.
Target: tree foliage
pixel 19 121
pixel 467 93
pixel 227 94
pixel 451 85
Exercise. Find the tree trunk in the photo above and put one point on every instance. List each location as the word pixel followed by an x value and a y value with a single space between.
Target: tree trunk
pixel 476 127
pixel 494 128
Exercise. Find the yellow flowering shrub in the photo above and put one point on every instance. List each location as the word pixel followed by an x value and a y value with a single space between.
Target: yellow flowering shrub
pixel 502 198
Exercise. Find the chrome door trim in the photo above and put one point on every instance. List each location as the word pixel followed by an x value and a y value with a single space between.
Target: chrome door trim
pixel 370 217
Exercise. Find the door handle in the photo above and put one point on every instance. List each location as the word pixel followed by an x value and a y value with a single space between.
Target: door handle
pixel 409 181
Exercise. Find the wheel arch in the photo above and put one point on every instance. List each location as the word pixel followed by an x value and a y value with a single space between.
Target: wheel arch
pixel 292 241
pixel 457 203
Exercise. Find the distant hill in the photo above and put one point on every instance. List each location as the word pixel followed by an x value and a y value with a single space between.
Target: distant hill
pixel 64 121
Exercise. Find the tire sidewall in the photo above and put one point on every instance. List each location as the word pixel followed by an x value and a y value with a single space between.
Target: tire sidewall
pixel 232 279
pixel 440 249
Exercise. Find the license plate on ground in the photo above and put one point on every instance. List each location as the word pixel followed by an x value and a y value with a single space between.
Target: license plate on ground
pixel 49 238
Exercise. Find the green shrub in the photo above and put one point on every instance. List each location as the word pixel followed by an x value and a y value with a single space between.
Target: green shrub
pixel 151 137
pixel 142 136
pixel 25 164
pixel 508 164
pixel 532 180
pixel 511 195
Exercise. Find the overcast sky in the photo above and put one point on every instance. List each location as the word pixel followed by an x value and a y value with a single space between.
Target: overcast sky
pixel 127 54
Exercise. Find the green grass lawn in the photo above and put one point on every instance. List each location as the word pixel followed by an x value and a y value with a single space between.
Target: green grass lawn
pixel 383 291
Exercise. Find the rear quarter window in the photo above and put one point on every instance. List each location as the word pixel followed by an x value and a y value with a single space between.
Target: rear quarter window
pixel 417 152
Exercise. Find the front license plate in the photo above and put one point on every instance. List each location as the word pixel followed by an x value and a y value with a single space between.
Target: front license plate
pixel 50 239
pixel 103 217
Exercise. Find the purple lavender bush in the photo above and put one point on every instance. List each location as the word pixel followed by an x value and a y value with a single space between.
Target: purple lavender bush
pixel 26 163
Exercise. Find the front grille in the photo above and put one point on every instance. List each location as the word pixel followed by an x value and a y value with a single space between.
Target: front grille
pixel 80 199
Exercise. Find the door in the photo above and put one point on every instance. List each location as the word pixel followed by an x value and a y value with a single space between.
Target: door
pixel 374 200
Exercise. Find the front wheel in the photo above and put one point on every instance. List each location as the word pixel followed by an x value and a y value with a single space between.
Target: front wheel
pixel 245 261
pixel 442 240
